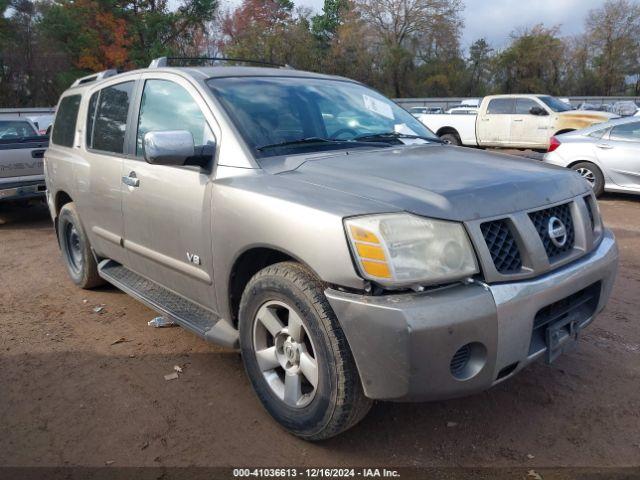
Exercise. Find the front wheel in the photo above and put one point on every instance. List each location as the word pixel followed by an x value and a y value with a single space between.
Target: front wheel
pixel 296 355
pixel 592 174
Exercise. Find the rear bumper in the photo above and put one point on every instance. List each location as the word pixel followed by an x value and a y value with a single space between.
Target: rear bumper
pixel 21 190
pixel 403 344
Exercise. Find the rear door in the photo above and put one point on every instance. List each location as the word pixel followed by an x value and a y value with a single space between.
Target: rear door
pixel 619 154
pixel 109 113
pixel 167 216
pixel 494 124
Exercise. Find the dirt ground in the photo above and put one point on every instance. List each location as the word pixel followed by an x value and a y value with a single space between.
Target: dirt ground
pixel 71 394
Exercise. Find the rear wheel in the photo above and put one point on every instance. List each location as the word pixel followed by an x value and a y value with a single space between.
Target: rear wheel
pixel 592 174
pixel 76 249
pixel 451 139
pixel 296 355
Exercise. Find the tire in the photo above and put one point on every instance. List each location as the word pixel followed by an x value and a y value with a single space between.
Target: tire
pixel 592 174
pixel 288 292
pixel 76 249
pixel 451 139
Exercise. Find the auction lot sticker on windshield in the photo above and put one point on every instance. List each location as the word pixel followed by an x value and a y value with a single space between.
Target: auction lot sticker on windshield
pixel 376 106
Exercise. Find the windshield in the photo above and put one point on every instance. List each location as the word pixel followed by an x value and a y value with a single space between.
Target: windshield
pixel 555 104
pixel 16 130
pixel 286 115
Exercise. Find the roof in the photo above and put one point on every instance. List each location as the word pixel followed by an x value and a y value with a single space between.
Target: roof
pixel 204 73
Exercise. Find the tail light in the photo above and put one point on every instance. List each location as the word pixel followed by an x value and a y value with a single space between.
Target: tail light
pixel 554 143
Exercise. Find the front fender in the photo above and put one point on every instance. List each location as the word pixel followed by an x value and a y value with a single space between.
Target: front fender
pixel 301 220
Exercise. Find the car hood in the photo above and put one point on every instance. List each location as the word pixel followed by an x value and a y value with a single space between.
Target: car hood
pixel 592 116
pixel 452 183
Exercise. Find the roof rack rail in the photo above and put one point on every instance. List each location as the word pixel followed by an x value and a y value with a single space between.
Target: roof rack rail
pixel 95 77
pixel 164 61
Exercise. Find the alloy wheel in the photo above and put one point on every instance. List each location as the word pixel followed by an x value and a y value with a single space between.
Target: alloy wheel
pixel 285 353
pixel 587 175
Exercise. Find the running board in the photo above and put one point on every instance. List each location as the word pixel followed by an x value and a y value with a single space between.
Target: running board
pixel 185 313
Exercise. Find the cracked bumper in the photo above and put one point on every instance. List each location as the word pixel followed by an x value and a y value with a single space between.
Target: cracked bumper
pixel 403 344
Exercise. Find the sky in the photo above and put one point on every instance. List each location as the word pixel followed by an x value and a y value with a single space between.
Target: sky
pixel 496 19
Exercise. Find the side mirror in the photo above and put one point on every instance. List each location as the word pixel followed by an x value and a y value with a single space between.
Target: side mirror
pixel 539 111
pixel 171 147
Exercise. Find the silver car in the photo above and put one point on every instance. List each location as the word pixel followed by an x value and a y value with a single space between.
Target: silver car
pixel 607 155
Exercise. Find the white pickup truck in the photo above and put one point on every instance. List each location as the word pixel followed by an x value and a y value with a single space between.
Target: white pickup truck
pixel 512 121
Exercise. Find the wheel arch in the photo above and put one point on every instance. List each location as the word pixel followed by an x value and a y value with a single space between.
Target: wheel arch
pixel 447 130
pixel 61 198
pixel 247 264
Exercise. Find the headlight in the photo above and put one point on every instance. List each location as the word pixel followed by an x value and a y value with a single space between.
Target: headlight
pixel 403 249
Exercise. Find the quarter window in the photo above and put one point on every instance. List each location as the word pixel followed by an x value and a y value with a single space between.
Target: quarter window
pixel 110 124
pixel 65 124
pixel 91 116
pixel 626 131
pixel 166 106
pixel 500 106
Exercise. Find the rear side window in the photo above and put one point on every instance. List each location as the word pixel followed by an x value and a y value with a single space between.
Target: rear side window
pixel 110 123
pixel 65 124
pixel 500 106
pixel 626 131
pixel 91 117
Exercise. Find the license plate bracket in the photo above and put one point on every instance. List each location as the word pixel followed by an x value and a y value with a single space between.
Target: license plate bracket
pixel 561 336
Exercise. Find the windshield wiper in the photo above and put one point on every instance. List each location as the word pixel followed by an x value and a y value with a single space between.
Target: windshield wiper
pixel 394 136
pixel 300 141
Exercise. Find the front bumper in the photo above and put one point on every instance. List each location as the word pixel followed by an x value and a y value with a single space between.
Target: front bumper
pixel 403 344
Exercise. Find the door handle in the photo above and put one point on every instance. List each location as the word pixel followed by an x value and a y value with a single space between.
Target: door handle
pixel 604 146
pixel 132 180
pixel 518 120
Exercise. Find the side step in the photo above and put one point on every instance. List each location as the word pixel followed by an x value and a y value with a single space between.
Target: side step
pixel 185 313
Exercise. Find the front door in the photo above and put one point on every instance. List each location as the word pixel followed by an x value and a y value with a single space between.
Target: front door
pixel 528 130
pixel 619 154
pixel 167 215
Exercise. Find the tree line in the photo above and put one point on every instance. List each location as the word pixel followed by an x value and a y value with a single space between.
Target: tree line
pixel 404 48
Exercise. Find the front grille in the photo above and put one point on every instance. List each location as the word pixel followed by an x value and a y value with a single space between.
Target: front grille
pixel 502 246
pixel 541 219
pixel 586 299
pixel 582 305
pixel 587 201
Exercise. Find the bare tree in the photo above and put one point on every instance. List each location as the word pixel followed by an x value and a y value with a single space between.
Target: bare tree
pixel 613 35
pixel 408 29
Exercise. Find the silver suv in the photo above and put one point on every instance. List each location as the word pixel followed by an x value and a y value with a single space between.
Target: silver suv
pixel 321 229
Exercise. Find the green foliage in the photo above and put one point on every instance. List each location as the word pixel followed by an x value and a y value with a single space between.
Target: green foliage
pixel 532 63
pixel 401 47
pixel 325 26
